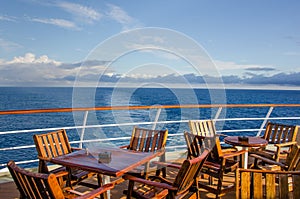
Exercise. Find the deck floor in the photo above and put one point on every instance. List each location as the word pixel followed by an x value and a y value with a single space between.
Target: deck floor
pixel 8 190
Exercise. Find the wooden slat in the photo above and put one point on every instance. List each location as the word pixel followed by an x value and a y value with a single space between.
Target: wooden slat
pixel 160 140
pixel 296 186
pixel 46 147
pixel 142 141
pixel 148 141
pixel 135 141
pixel 257 185
pixel 245 185
pixel 270 186
pixel 65 144
pixel 283 186
pixel 281 135
pixel 58 146
pixel 51 145
pixel 154 141
pixel 202 129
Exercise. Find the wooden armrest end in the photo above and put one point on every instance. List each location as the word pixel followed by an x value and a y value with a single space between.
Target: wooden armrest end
pixel 61 174
pixel 75 149
pixel 44 158
pixel 233 154
pixel 151 183
pixel 96 192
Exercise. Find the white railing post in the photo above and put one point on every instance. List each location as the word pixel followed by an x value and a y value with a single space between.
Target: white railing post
pixel 156 118
pixel 218 113
pixel 265 121
pixel 83 128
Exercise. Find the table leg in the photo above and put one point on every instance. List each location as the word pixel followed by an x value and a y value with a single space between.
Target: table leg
pixel 106 180
pixel 245 157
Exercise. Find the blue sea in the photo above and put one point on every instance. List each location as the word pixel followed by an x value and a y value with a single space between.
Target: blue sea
pixel 22 98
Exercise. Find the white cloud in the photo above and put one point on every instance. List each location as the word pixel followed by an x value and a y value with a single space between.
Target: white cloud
pixel 119 15
pixel 30 58
pixel 8 46
pixel 57 22
pixel 83 13
pixel 230 68
pixel 7 18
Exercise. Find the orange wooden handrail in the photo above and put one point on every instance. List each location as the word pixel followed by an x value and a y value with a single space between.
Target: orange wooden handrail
pixel 107 108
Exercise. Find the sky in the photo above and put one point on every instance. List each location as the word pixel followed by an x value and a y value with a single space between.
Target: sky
pixel 56 43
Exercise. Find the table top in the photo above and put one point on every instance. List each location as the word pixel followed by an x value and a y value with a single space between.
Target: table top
pixel 252 141
pixel 120 162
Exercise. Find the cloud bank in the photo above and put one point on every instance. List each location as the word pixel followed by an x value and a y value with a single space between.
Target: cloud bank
pixel 31 70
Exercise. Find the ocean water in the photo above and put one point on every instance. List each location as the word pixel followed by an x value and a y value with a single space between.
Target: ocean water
pixel 21 98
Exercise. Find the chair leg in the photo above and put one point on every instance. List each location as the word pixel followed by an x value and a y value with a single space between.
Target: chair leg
pixel 130 189
pixel 99 179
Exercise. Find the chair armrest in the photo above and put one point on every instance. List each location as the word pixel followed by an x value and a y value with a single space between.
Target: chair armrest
pixel 167 164
pixel 96 192
pixel 61 174
pixel 233 154
pixel 278 151
pixel 285 144
pixel 44 158
pixel 266 160
pixel 151 183
pixel 211 165
pixel 124 147
pixel 75 149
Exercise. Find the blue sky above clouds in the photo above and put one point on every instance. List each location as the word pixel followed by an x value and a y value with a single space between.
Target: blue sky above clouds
pixel 251 42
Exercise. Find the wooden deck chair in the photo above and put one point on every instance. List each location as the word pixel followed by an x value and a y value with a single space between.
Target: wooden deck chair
pixel 265 184
pixel 196 144
pixel 291 163
pixel 148 140
pixel 45 186
pixel 280 139
pixel 217 164
pixel 184 185
pixel 53 144
pixel 206 128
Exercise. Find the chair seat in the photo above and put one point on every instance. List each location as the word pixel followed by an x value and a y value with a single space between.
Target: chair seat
pixel 230 166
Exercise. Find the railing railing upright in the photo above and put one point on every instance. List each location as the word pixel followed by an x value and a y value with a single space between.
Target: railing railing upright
pixel 86 113
pixel 265 121
pixel 156 118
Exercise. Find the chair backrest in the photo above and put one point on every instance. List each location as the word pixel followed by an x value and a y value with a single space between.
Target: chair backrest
pixel 204 128
pixel 196 144
pixel 267 184
pixel 52 144
pixel 188 173
pixel 280 133
pixel 147 140
pixel 49 145
pixel 35 185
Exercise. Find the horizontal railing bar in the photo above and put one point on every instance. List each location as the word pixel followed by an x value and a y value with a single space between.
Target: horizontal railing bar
pixel 136 123
pixel 110 108
pixel 76 142
pixel 128 124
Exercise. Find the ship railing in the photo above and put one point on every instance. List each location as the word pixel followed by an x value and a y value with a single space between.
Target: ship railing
pixel 263 120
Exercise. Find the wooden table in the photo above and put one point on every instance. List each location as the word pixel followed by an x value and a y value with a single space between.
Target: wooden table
pixel 252 142
pixel 121 161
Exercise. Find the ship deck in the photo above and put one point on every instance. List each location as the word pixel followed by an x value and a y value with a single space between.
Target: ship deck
pixel 8 190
